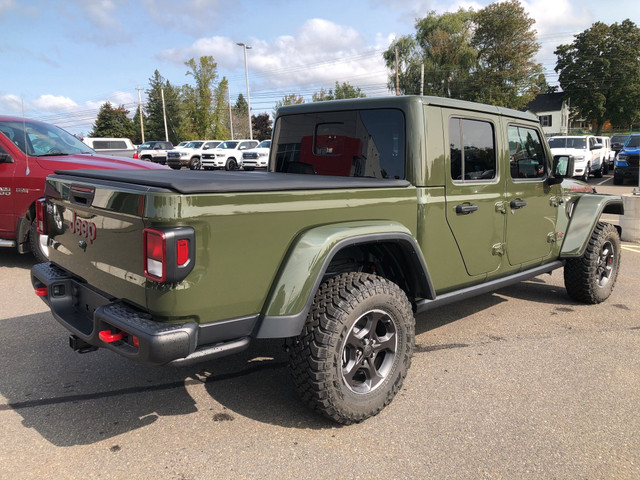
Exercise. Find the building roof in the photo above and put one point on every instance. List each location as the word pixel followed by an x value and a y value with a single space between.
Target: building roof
pixel 546 102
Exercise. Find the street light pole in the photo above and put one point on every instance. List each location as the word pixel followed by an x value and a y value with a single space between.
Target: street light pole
pixel 245 47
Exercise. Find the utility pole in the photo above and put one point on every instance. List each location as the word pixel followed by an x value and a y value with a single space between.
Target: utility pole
pixel 397 77
pixel 230 116
pixel 422 79
pixel 246 47
pixel 140 106
pixel 164 115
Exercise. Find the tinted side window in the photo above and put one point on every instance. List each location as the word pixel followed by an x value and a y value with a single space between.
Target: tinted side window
pixel 526 153
pixel 357 143
pixel 472 149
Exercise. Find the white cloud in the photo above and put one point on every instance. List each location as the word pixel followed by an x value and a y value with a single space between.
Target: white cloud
pixel 319 53
pixel 11 103
pixel 52 103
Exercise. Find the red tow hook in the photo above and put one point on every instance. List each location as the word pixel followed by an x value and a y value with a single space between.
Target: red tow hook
pixel 41 291
pixel 107 336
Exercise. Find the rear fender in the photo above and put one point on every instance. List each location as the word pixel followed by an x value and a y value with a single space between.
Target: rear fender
pixel 586 213
pixel 307 261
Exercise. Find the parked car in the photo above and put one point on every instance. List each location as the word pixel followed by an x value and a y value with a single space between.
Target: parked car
pixel 29 151
pixel 606 154
pixel 154 151
pixel 190 154
pixel 197 266
pixel 617 142
pixel 118 147
pixel 585 152
pixel 256 157
pixel 227 155
pixel 626 166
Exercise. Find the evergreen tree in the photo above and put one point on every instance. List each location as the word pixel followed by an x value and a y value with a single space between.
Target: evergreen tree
pixel 112 122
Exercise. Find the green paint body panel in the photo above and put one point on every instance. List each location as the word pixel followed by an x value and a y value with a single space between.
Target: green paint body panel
pixel 586 214
pixel 262 252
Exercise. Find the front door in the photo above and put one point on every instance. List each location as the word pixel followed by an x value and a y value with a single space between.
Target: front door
pixel 7 195
pixel 474 186
pixel 531 204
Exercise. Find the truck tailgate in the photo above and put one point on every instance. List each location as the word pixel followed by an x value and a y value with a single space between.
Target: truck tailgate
pixel 96 232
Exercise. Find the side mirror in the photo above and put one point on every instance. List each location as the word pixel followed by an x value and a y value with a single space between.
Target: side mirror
pixel 5 158
pixel 597 146
pixel 562 168
pixel 206 147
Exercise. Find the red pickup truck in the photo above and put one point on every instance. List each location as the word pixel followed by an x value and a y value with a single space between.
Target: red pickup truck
pixel 29 151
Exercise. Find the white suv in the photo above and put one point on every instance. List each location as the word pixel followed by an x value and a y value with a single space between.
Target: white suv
pixel 586 152
pixel 190 154
pixel 256 157
pixel 227 155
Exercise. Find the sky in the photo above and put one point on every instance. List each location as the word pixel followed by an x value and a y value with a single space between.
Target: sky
pixel 63 59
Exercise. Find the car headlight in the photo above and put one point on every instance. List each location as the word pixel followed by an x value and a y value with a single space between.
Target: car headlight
pixel 262 154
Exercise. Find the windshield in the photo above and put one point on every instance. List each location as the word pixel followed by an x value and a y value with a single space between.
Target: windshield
pixel 228 145
pixel 41 139
pixel 633 142
pixel 193 145
pixel 619 138
pixel 567 142
pixel 264 144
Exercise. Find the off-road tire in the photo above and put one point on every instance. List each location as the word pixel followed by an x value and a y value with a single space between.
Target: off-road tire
pixel 40 254
pixel 349 311
pixel 590 278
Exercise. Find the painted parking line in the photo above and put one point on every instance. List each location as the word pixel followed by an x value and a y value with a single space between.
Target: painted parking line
pixel 631 248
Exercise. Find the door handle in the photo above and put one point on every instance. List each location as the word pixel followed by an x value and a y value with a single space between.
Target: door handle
pixel 466 209
pixel 515 204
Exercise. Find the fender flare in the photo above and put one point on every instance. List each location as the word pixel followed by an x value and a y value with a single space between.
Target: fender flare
pixel 307 260
pixel 586 214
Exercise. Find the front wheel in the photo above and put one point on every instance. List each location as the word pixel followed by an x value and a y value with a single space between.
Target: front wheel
pixel 194 164
pixel 590 278
pixel 38 243
pixel 231 164
pixel 355 349
pixel 585 176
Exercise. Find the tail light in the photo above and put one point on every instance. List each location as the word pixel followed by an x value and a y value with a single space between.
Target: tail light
pixel 169 254
pixel 41 218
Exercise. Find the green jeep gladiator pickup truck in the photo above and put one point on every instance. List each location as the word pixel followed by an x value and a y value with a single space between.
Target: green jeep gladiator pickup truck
pixel 373 210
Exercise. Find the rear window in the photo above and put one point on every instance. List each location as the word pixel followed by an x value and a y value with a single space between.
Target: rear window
pixel 109 145
pixel 358 143
pixel 564 142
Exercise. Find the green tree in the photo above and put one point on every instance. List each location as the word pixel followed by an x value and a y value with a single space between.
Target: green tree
pixel 346 90
pixel 220 118
pixel 291 99
pixel 241 107
pixel 154 121
pixel 505 40
pixel 262 126
pixel 600 73
pixel 485 56
pixel 112 122
pixel 442 44
pixel 199 99
pixel 240 113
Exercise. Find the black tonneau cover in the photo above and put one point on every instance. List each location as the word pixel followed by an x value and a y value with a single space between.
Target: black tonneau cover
pixel 199 181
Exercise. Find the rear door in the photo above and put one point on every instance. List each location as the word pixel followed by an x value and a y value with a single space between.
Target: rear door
pixel 531 204
pixel 474 186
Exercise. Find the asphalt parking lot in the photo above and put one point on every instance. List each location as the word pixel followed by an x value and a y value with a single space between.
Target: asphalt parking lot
pixel 522 383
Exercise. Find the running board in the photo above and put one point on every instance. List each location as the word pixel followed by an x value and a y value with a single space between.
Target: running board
pixel 490 286
pixel 7 243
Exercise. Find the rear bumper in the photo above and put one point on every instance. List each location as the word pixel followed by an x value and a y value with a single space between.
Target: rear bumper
pixel 105 322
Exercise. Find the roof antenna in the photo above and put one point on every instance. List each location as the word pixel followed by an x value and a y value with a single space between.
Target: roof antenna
pixel 24 131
